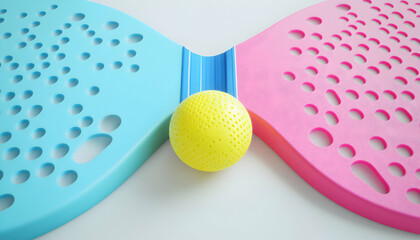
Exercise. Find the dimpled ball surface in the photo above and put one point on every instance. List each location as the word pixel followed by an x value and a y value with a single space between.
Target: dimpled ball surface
pixel 210 131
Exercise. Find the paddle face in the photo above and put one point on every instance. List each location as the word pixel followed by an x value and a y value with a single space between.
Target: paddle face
pixel 337 97
pixel 84 102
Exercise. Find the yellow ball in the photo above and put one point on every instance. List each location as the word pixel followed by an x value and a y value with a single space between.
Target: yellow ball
pixel 210 131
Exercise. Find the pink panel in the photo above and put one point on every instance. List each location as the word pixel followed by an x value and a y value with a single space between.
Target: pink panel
pixel 344 74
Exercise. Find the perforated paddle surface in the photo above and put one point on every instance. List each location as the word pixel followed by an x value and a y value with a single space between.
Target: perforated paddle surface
pixel 335 90
pixel 84 102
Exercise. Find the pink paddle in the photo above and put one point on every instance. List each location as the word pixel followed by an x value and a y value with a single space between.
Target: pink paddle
pixel 334 89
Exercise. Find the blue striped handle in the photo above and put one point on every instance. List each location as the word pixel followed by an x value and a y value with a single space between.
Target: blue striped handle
pixel 201 73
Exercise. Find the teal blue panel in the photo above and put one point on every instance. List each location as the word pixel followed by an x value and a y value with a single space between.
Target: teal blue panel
pixel 76 79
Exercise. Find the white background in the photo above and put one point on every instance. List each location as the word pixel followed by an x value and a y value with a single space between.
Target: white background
pixel 258 198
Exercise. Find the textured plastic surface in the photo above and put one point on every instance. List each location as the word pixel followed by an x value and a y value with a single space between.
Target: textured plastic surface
pixel 84 102
pixel 74 80
pixel 210 131
pixel 334 90
pixel 201 73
